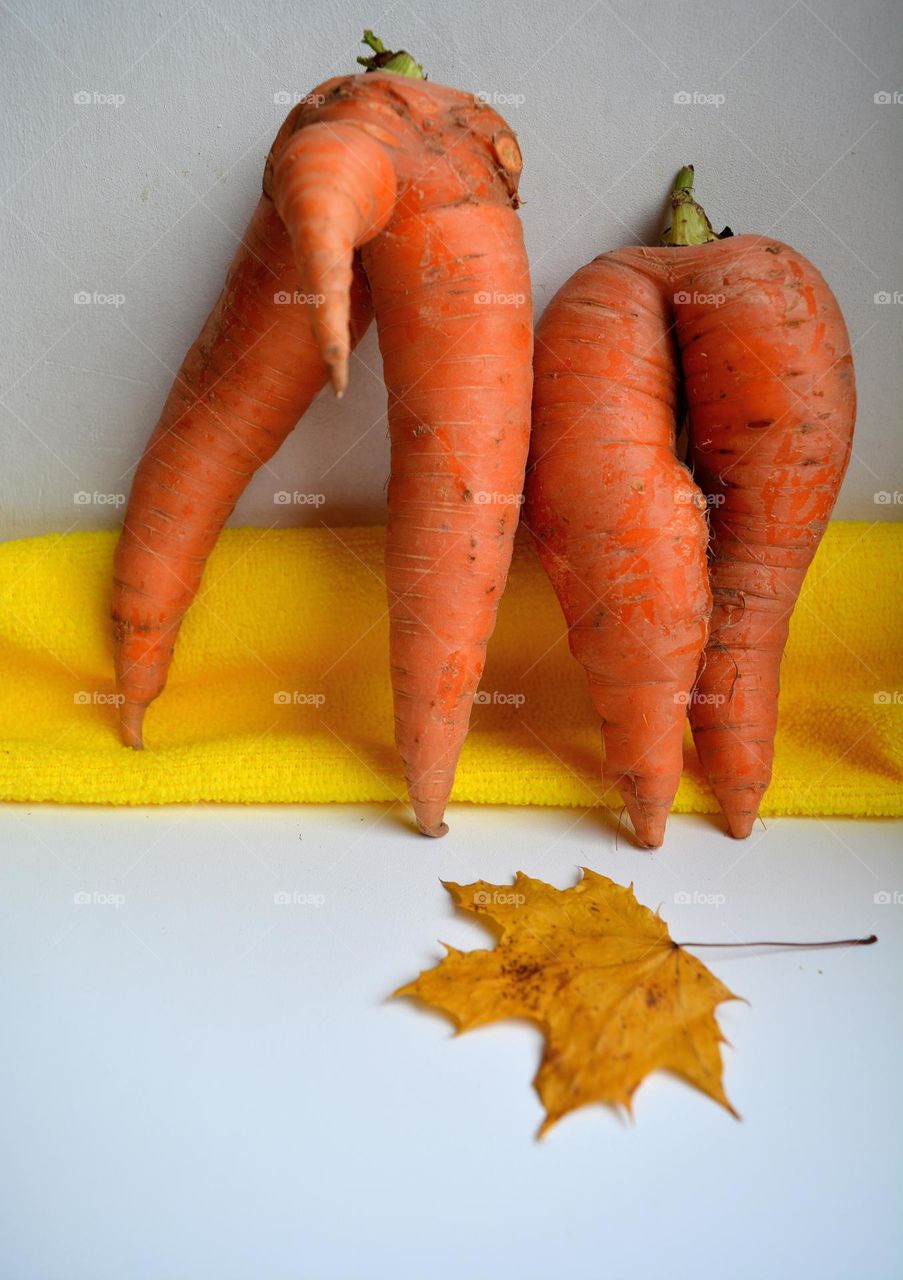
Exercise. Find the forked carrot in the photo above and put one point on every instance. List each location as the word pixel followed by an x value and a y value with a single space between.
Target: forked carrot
pixel 762 355
pixel 422 180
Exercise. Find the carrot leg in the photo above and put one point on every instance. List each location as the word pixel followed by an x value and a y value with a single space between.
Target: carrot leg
pixel 242 387
pixel 334 186
pixel 769 380
pixel 456 344
pixel 618 523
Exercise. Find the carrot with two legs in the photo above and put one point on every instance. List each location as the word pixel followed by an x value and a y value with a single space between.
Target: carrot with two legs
pixel 417 182
pixel 752 334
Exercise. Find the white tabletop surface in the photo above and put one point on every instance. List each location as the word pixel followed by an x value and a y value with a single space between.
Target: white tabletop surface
pixel 197 1081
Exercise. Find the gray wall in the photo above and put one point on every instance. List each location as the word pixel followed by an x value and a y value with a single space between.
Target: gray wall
pixel 141 192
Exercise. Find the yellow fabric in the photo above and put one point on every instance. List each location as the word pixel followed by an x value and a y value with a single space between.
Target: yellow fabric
pixel 302 613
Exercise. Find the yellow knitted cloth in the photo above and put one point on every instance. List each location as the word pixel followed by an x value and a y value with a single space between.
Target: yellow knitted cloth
pixel 279 690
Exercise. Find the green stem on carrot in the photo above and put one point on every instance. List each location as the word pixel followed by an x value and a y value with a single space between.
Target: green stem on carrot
pixel 384 59
pixel 689 224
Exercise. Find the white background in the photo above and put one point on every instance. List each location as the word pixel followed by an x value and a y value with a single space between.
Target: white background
pixel 200 1083
pixel 148 198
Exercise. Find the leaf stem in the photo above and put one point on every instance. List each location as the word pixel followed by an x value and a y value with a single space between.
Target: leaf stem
pixel 384 59
pixel 689 224
pixel 841 942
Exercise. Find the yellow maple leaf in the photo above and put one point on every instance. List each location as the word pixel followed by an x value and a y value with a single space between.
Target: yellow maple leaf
pixel 615 997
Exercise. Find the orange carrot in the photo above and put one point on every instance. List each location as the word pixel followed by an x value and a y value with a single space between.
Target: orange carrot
pixel 422 179
pixel 763 358
pixel 618 522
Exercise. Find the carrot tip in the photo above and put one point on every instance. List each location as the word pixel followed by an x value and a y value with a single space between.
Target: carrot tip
pixel 740 824
pixel 338 375
pixel 434 832
pixel 649 827
pixel 130 725
pixel 651 833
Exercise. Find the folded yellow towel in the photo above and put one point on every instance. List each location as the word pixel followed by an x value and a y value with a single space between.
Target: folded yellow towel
pixel 279 690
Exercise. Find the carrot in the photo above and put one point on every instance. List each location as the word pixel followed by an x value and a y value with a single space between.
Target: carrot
pixel 422 180
pixel 618 521
pixel 764 365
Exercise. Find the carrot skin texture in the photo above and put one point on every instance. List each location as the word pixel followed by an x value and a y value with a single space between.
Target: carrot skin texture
pixel 618 523
pixel 243 385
